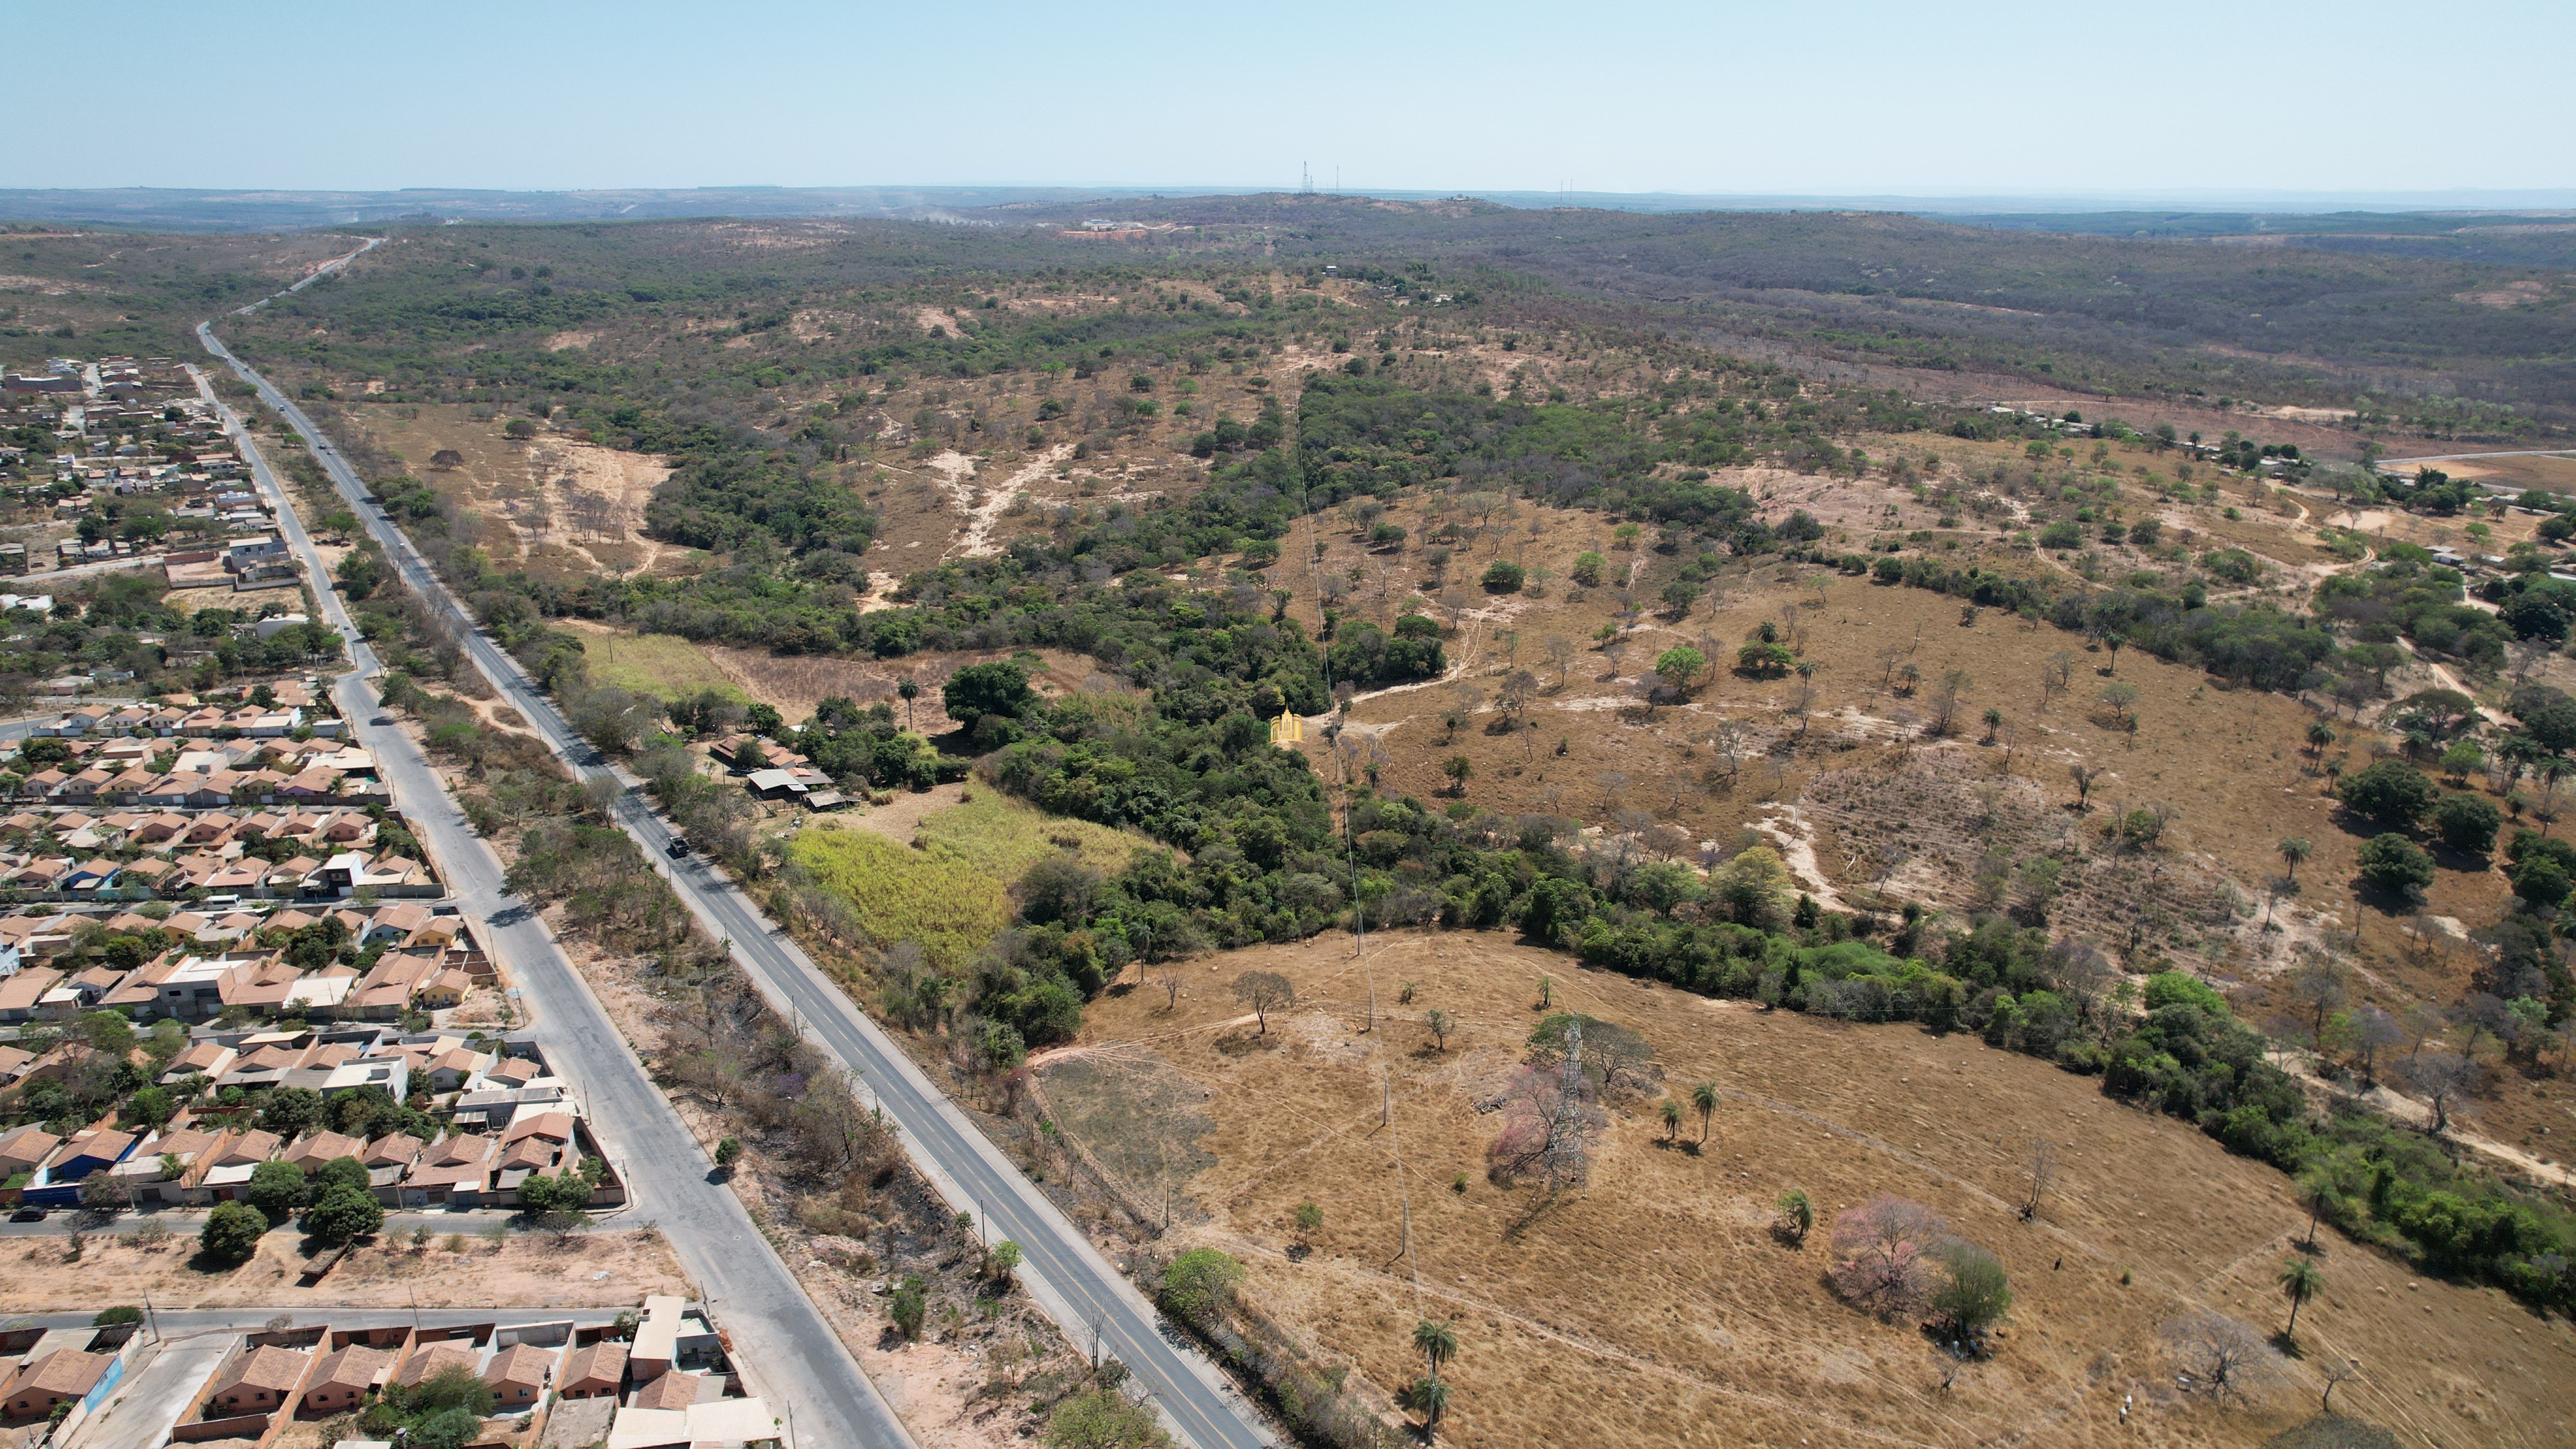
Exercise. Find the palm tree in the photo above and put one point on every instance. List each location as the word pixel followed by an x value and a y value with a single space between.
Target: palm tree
pixel 1431 1397
pixel 2300 1281
pixel 910 690
pixel 1672 1119
pixel 1704 1097
pixel 2320 735
pixel 2294 850
pixel 1438 1342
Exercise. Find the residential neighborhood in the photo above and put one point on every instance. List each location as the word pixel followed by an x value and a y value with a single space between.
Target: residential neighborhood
pixel 654 1375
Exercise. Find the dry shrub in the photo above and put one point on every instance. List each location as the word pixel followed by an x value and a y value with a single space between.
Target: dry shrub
pixel 1883 1255
pixel 2220 1356
pixel 1548 1125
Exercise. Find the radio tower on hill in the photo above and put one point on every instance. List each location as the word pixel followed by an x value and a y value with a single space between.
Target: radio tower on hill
pixel 1305 179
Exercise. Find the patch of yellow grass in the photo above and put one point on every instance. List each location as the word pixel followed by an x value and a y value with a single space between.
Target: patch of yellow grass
pixel 944 905
pixel 663 665
pixel 1002 837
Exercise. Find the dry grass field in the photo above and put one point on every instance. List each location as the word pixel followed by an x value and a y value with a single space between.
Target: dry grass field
pixel 560 508
pixel 1654 1307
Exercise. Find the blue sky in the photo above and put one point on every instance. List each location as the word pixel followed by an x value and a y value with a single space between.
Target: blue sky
pixel 1815 98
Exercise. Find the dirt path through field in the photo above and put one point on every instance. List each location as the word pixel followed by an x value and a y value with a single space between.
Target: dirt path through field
pixel 985 511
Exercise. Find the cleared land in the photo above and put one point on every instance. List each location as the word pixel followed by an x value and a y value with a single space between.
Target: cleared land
pixel 1656 1308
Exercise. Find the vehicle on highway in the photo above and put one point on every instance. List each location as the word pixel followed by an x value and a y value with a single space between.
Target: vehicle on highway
pixel 381 721
pixel 28 1215
pixel 678 847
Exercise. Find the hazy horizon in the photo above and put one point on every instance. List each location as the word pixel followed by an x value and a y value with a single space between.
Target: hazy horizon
pixel 2188 103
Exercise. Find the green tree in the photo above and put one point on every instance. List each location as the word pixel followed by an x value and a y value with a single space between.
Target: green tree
pixel 450 1428
pixel 1001 1260
pixel 2463 759
pixel 2541 880
pixel 1680 667
pixel 1704 1098
pixel 998 687
pixel 291 1112
pixel 453 1387
pixel 1103 1418
pixel 151 1107
pixel 232 1232
pixel 1672 1115
pixel 1503 576
pixel 1199 1284
pixel 1753 888
pixel 1587 569
pixel 108 1032
pixel 343 1212
pixel 2300 1281
pixel 2120 697
pixel 276 1189
pixel 2396 864
pixel 1973 1295
pixel 728 1152
pixel 338 1172
pixel 2392 792
pixel 2467 823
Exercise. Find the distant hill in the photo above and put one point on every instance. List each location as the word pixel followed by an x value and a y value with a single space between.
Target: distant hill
pixel 186 209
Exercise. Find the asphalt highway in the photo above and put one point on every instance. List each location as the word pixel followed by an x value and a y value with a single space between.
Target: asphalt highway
pixel 781 1341
pixel 1062 1269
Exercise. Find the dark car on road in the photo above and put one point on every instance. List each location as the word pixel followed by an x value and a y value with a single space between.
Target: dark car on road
pixel 678 847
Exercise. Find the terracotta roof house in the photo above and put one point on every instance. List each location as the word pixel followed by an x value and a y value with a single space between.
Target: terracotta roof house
pixel 205 1059
pixel 456 1171
pixel 310 1153
pixel 444 990
pixel 670 1391
pixel 346 1378
pixel 20 994
pixel 513 1072
pixel 88 1152
pixel 22 1149
pixel 595 1372
pixel 429 1360
pixel 518 1375
pixel 249 1149
pixel 263 1379
pixel 450 1069
pixel 60 1377
pixel 397 920
pixel 13 1064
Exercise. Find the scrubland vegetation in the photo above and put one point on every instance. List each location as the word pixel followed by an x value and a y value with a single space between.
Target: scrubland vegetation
pixel 1616 626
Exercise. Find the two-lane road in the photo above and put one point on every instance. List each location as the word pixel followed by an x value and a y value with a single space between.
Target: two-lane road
pixel 1067 1275
pixel 781 1340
